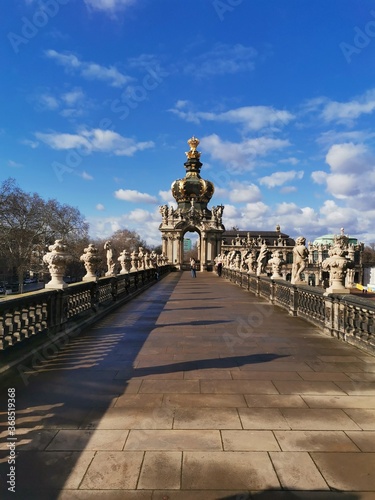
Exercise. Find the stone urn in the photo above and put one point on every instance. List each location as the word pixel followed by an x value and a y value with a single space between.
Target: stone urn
pixel 337 265
pixel 277 262
pixel 125 262
pixel 57 259
pixel 90 259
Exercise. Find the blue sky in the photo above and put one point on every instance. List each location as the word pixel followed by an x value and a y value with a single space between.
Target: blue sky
pixel 98 99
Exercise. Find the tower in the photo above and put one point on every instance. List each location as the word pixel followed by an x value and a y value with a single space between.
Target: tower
pixel 192 194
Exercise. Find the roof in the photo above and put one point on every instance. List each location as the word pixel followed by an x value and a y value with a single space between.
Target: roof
pixel 269 236
pixel 328 239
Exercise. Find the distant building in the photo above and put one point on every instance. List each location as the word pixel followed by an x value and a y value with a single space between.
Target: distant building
pixel 241 243
pixel 319 250
pixel 237 245
pixel 187 244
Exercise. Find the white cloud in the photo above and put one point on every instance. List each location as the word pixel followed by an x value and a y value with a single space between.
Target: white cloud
pixel 250 117
pixel 244 193
pixel 139 215
pixel 69 104
pixel 108 6
pixel 290 161
pixel 241 156
pixel 167 197
pixel 94 140
pixel 231 211
pixel 100 207
pixel 223 59
pixel 14 164
pixel 331 137
pixel 72 97
pixel 31 144
pixel 90 70
pixel 134 196
pixel 342 112
pixel 288 209
pixel 254 211
pixel 319 176
pixel 63 141
pixel 348 157
pixel 280 178
pixel 346 112
pixel 48 102
pixel 351 177
pixel 288 189
pixel 143 222
pixel 86 176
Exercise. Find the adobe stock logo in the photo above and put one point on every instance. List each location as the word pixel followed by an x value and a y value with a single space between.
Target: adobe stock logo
pixel 223 6
pixel 362 37
pixel 31 26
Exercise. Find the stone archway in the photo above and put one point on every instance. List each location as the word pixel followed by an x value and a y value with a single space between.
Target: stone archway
pixel 192 214
pixel 190 247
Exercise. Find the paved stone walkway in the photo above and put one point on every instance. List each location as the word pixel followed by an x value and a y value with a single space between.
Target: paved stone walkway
pixel 196 390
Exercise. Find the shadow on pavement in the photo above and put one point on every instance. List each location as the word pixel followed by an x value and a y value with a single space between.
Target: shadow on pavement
pixel 294 495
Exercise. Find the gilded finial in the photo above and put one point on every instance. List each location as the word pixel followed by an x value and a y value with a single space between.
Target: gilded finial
pixel 193 153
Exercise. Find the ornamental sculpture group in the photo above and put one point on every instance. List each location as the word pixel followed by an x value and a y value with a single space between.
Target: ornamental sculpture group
pixel 57 259
pixel 337 264
pixel 256 262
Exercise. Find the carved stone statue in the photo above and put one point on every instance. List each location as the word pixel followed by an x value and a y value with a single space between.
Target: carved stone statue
pixel 251 262
pixel 262 260
pixel 163 209
pixel 300 256
pixel 141 259
pixel 134 262
pixel 110 261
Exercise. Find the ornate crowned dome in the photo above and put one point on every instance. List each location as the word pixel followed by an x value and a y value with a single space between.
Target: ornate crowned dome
pixel 192 190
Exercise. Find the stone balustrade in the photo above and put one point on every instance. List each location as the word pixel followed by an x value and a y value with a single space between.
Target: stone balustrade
pixel 347 317
pixel 48 312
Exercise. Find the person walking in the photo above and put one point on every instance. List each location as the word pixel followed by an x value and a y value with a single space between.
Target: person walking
pixel 219 268
pixel 193 268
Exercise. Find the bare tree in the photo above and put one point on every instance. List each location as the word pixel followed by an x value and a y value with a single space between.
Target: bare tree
pixel 368 255
pixel 122 239
pixel 28 224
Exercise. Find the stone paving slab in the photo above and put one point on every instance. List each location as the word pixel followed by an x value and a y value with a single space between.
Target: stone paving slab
pixel 195 390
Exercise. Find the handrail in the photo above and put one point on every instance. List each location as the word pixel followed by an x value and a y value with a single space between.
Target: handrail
pixel 48 312
pixel 347 317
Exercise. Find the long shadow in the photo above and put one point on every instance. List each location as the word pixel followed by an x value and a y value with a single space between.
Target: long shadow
pixel 58 390
pixel 206 364
pixel 293 495
pixel 197 308
pixel 198 323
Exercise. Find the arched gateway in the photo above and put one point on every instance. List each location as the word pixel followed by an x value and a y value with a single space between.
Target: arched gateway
pixel 192 194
